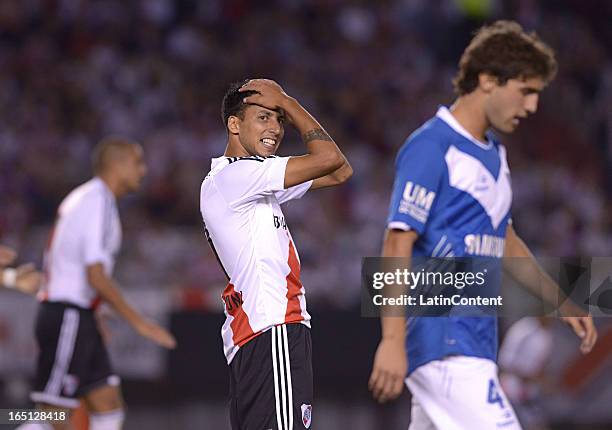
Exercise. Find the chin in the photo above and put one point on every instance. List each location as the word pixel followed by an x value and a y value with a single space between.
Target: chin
pixel 266 152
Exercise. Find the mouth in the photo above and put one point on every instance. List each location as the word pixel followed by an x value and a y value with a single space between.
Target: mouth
pixel 268 142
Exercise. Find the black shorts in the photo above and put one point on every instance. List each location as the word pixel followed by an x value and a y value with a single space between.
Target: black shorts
pixel 72 358
pixel 265 392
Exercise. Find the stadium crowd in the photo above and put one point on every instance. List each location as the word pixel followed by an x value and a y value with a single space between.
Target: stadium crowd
pixel 73 71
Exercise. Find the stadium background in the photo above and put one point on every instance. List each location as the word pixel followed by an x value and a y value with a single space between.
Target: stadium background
pixel 73 71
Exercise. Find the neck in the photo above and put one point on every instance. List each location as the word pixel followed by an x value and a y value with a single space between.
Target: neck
pixel 113 184
pixel 234 148
pixel 468 110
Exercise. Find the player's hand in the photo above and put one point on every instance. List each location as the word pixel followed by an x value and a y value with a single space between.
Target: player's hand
pixel 585 329
pixel 389 370
pixel 7 255
pixel 271 95
pixel 157 334
pixel 28 279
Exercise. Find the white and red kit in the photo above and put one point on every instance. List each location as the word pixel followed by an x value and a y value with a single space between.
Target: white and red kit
pixel 240 202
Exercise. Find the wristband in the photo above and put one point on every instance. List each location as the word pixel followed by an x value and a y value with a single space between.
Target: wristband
pixel 9 278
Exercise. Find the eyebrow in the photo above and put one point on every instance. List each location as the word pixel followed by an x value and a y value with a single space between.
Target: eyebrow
pixel 531 90
pixel 279 113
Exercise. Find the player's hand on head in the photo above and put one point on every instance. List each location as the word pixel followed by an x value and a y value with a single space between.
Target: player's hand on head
pixel 269 94
pixel 389 370
pixel 7 255
pixel 28 279
pixel 584 327
pixel 157 334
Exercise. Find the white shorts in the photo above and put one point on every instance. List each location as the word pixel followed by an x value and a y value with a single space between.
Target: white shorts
pixel 459 393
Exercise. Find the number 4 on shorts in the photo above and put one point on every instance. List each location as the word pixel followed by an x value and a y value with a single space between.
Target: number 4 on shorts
pixel 494 396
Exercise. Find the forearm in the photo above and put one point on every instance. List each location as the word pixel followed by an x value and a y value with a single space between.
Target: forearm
pixel 314 136
pixel 109 292
pixel 396 245
pixel 523 267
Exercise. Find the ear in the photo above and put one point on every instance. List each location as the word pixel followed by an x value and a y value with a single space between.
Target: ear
pixel 233 124
pixel 487 82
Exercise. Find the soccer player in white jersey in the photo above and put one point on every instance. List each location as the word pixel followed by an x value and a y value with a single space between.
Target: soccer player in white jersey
pixel 24 278
pixel 452 198
pixel 73 362
pixel 266 335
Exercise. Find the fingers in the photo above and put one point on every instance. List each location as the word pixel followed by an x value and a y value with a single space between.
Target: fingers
pixel 385 385
pixel 168 341
pixel 377 384
pixel 28 279
pixel 162 337
pixel 590 336
pixel 585 330
pixel 264 88
pixel 24 269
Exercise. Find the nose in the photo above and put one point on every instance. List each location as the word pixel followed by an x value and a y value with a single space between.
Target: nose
pixel 531 103
pixel 275 127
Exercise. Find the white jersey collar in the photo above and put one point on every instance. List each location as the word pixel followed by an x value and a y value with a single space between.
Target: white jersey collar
pixel 445 115
pixel 100 183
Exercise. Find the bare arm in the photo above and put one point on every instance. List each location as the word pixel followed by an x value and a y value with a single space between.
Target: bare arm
pixel 24 278
pixel 530 275
pixel 337 177
pixel 107 289
pixel 390 362
pixel 323 155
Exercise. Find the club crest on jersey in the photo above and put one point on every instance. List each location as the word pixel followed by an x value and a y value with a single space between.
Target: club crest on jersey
pixel 306 415
pixel 416 201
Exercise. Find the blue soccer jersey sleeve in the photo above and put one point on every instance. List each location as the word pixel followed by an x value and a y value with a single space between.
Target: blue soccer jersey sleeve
pixel 419 170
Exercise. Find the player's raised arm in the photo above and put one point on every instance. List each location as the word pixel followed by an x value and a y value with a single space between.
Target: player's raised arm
pixel 324 162
pixel 531 276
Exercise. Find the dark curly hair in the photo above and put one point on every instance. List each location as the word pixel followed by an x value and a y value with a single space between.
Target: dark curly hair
pixel 232 104
pixel 505 51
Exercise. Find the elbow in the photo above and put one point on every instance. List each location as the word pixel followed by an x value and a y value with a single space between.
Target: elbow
pixel 332 162
pixel 343 174
pixel 346 172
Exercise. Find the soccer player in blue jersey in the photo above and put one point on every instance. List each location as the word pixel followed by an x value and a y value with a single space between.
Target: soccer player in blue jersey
pixel 451 197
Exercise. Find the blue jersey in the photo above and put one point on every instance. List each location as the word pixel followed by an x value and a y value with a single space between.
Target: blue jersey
pixel 455 192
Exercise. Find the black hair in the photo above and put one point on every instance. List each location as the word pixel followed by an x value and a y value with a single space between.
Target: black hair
pixel 233 104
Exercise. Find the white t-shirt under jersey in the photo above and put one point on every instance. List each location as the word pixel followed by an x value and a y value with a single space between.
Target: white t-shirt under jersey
pixel 240 203
pixel 87 231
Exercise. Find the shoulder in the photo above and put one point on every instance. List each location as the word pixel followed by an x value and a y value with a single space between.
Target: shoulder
pixel 430 142
pixel 247 169
pixel 83 197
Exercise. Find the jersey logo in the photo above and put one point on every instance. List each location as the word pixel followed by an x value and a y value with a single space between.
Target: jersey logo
pixel 279 221
pixel 484 244
pixel 469 174
pixel 416 201
pixel 306 415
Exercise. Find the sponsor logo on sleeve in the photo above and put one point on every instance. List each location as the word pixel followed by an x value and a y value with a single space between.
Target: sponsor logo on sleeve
pixel 416 201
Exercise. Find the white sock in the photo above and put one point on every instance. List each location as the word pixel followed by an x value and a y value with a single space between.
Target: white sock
pixel 111 420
